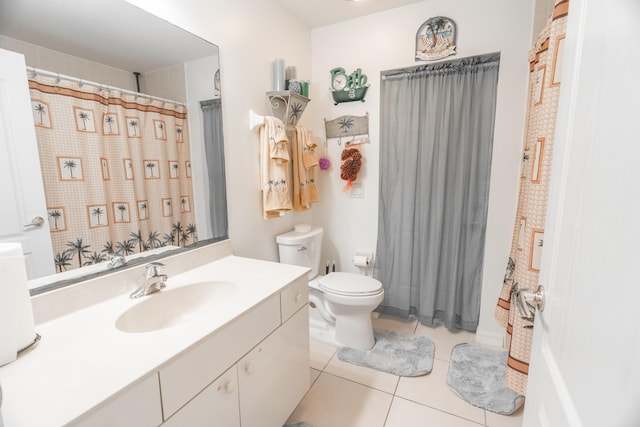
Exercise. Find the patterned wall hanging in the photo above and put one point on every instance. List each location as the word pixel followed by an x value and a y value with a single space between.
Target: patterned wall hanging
pixel 436 39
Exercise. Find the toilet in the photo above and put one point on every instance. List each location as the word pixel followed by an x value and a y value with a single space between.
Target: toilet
pixel 340 304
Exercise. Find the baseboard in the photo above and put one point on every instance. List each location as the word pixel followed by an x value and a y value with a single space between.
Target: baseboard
pixel 490 337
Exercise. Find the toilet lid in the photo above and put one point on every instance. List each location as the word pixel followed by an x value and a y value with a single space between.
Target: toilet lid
pixel 349 284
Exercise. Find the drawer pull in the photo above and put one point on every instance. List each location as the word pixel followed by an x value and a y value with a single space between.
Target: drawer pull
pixel 249 368
pixel 230 386
pixel 298 297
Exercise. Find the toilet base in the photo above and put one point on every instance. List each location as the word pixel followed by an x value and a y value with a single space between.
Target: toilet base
pixel 323 332
pixel 358 334
pixel 355 331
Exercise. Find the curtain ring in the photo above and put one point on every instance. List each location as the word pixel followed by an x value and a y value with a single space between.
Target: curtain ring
pixel 57 80
pixel 33 73
pixel 80 84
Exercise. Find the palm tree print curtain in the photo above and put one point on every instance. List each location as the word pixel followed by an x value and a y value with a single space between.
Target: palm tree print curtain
pixel 116 171
pixel 523 268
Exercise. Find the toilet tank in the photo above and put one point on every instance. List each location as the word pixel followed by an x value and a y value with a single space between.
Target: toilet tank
pixel 301 246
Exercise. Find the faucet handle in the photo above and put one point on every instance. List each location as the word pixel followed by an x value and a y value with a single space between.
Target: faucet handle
pixel 153 268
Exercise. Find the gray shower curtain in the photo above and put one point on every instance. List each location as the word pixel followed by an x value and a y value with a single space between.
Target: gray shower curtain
pixel 436 137
pixel 214 153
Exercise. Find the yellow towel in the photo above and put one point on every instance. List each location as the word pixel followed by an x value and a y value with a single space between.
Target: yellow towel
pixel 274 170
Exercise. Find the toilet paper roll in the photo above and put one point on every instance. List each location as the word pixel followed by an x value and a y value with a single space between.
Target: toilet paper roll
pixel 361 261
pixel 16 312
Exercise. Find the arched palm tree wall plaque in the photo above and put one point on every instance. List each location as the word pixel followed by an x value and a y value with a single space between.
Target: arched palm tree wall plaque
pixel 436 39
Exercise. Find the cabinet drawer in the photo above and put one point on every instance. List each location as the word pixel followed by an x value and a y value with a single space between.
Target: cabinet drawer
pixel 216 406
pixel 294 296
pixel 191 372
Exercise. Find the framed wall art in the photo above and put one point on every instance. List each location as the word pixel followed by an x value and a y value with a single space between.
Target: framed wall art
pixel 436 39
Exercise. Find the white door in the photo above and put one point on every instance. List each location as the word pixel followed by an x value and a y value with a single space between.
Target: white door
pixel 21 193
pixel 585 365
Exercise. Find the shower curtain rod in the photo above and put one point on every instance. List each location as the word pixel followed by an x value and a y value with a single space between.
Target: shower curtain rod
pixel 36 71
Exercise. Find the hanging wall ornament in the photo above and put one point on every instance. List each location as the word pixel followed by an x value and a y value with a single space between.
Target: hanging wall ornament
pixel 436 39
pixel 324 161
pixel 351 164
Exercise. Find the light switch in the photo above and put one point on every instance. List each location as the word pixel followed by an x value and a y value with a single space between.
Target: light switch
pixel 357 190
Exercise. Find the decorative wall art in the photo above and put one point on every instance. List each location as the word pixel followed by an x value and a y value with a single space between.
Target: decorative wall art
pixel 356 130
pixel 436 39
pixel 351 127
pixel 347 88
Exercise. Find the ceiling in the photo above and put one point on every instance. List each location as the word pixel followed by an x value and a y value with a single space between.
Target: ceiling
pixel 126 37
pixel 110 32
pixel 318 13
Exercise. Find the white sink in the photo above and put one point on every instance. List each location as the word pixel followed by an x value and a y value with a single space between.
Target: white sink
pixel 173 306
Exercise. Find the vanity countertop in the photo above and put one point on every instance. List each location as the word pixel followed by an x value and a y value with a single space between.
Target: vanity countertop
pixel 83 359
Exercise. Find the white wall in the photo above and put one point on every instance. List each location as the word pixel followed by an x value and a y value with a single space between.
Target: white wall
pixel 74 66
pixel 250 34
pixel 386 41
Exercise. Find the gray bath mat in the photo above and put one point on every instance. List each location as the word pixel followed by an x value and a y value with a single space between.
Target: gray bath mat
pixel 402 355
pixel 477 375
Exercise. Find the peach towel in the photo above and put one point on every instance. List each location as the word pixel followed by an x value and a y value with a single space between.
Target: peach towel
pixel 274 168
pixel 305 164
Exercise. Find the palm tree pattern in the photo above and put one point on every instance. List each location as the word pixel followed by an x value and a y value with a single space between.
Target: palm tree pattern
pixel 103 176
pixel 179 234
pixel 84 117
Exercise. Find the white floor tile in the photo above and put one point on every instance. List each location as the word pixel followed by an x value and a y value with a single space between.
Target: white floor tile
pixel 346 395
pixel 513 420
pixel 320 354
pixel 444 339
pixel 336 402
pixel 405 413
pixel 314 375
pixel 366 376
pixel 432 390
pixel 392 323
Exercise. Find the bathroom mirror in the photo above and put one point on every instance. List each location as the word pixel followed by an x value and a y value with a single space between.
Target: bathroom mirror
pixel 120 35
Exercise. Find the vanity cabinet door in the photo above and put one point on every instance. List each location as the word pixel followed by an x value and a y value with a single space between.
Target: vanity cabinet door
pixel 274 376
pixel 188 374
pixel 216 406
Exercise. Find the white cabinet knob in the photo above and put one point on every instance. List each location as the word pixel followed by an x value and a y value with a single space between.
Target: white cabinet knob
pixel 249 368
pixel 230 386
pixel 299 297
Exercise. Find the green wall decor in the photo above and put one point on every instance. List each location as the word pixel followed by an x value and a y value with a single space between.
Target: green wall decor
pixel 347 88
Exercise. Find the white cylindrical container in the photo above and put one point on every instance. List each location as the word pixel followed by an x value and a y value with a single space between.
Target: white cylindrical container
pixel 277 75
pixel 17 329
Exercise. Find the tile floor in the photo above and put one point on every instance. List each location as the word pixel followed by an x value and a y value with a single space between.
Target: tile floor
pixel 345 395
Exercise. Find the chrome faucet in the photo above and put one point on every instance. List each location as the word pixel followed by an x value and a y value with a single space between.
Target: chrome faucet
pixel 153 282
pixel 115 261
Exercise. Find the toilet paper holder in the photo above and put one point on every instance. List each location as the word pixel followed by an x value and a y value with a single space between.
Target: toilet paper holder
pixel 363 259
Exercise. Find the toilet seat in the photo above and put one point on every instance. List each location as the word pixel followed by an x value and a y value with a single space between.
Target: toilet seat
pixel 349 284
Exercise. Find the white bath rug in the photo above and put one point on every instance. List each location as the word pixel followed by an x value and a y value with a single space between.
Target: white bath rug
pixel 402 355
pixel 477 375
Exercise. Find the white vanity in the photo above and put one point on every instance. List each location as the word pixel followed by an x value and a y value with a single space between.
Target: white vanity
pixel 241 361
